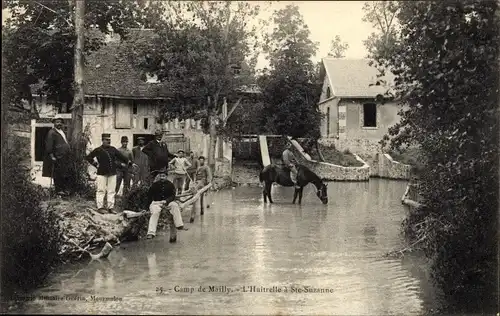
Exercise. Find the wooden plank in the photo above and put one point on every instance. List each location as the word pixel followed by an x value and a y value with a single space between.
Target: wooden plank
pixel 264 151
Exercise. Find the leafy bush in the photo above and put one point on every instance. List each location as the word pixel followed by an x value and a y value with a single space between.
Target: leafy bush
pixel 452 114
pixel 78 180
pixel 136 199
pixel 30 236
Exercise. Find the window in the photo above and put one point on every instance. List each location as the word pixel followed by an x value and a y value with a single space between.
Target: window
pixel 146 123
pixel 370 115
pixel 152 78
pixel 328 92
pixel 236 69
pixel 134 107
pixel 123 114
pixel 327 121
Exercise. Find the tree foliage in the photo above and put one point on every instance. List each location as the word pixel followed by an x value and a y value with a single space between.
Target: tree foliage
pixel 447 73
pixel 290 86
pixel 39 40
pixel 338 48
pixel 30 238
pixel 206 52
pixel 382 15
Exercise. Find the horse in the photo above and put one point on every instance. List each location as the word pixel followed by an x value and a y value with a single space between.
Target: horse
pixel 273 173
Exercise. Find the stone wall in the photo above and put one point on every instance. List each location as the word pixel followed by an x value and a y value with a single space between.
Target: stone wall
pixel 381 165
pixel 330 171
pixel 355 145
pixel 386 167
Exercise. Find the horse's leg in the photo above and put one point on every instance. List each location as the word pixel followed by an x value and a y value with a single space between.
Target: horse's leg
pixel 264 192
pixel 300 194
pixel 202 205
pixel 295 193
pixel 173 229
pixel 268 189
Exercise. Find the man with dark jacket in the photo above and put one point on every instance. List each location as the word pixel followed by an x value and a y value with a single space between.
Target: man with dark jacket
pixel 56 159
pixel 162 192
pixel 107 157
pixel 124 172
pixel 158 153
pixel 141 173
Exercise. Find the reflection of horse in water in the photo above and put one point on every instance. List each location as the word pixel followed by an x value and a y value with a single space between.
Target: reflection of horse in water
pixel 274 174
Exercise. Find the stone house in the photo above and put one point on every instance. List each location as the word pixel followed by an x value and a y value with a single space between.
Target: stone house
pixel 355 119
pixel 123 101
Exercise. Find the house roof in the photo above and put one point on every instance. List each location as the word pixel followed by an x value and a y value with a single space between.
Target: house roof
pixel 108 72
pixel 351 78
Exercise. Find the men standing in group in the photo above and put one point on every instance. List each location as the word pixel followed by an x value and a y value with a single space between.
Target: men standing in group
pixel 107 157
pixel 158 153
pixel 141 160
pixel 191 171
pixel 124 171
pixel 180 163
pixel 56 160
pixel 203 177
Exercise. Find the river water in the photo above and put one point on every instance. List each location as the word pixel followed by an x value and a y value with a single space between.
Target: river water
pixel 309 259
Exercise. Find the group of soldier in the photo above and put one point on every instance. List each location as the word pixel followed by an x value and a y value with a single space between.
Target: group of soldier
pixel 144 164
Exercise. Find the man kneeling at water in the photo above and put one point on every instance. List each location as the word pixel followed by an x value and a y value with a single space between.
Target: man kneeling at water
pixel 162 192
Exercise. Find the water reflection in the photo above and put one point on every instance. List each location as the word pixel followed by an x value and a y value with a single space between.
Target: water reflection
pixel 243 242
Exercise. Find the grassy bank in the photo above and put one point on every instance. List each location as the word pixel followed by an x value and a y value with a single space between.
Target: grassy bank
pixel 332 155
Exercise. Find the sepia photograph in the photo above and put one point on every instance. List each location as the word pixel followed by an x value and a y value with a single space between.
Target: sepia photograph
pixel 250 157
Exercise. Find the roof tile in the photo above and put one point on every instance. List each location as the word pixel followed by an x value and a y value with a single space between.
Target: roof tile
pixel 352 78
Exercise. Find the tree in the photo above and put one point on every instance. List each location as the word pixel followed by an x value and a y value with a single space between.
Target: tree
pixel 338 48
pixel 446 65
pixel 42 39
pixel 290 86
pixel 197 52
pixel 79 95
pixel 383 17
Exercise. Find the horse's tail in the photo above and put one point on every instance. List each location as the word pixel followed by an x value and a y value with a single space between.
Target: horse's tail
pixel 266 173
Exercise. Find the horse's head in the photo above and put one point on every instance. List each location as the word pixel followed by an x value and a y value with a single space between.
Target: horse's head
pixel 322 193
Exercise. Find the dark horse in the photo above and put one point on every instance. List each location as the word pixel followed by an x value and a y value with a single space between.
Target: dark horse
pixel 273 173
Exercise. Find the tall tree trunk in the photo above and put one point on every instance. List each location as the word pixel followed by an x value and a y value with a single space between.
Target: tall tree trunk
pixel 79 96
pixel 213 140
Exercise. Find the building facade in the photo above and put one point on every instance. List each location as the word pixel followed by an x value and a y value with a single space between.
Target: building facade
pixel 355 118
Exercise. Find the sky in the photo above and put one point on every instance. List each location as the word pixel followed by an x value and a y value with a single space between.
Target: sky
pixel 325 20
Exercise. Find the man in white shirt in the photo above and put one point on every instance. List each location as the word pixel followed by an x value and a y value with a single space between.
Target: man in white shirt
pixel 180 164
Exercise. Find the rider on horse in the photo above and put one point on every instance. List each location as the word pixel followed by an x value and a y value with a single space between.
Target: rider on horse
pixel 290 163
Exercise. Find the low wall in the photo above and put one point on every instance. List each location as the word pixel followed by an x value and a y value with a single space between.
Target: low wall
pixel 411 197
pixel 330 171
pixel 386 167
pixel 381 165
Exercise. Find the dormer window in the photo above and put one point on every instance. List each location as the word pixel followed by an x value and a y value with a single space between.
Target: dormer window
pixel 152 78
pixel 236 69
